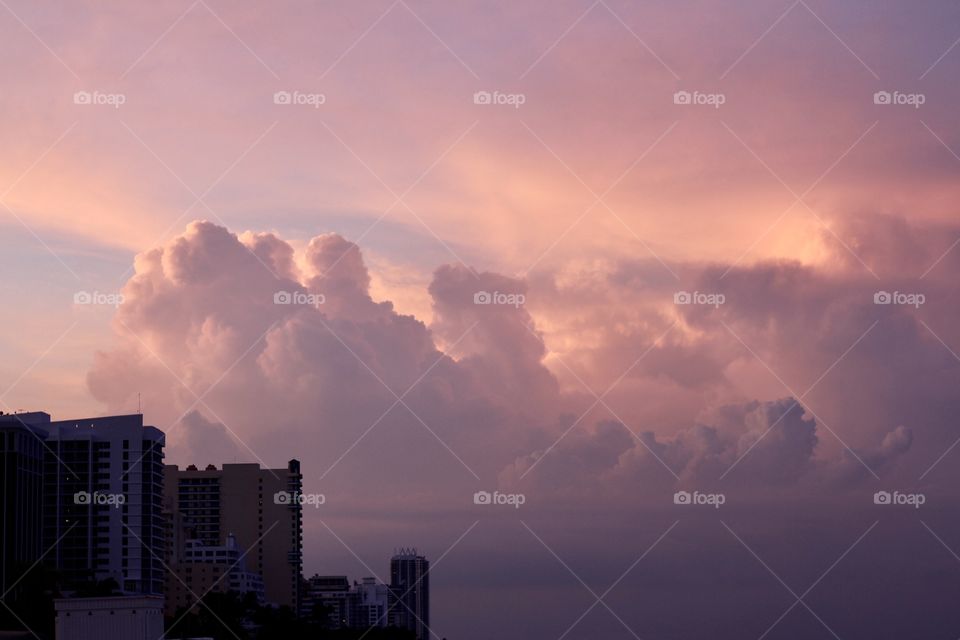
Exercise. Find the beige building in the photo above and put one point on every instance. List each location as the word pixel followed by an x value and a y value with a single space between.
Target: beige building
pixel 258 508
pixel 202 569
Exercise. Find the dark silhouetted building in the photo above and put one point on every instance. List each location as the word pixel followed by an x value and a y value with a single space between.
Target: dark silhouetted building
pixel 85 496
pixel 410 592
pixel 361 605
pixel 102 502
pixel 21 471
pixel 327 597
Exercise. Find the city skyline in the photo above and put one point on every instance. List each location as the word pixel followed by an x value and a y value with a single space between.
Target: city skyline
pixel 90 503
pixel 638 319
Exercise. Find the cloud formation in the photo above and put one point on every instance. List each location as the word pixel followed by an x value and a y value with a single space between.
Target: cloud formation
pixel 484 390
pixel 597 395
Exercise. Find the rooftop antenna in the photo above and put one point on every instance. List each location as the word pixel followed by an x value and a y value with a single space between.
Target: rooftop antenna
pixel 139 404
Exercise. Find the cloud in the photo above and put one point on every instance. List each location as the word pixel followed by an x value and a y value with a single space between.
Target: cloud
pixel 201 442
pixel 595 394
pixel 693 389
pixel 757 449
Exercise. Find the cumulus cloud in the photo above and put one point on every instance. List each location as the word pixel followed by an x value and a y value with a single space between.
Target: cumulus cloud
pixel 789 398
pixel 782 385
pixel 755 448
pixel 201 442
pixel 201 326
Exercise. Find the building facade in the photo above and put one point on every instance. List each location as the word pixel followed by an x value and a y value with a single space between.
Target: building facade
pixel 21 494
pixel 102 502
pixel 410 592
pixel 369 604
pixel 110 618
pixel 209 505
pixel 326 599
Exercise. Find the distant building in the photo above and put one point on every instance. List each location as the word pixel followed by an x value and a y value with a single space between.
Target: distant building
pixel 103 491
pixel 404 603
pixel 330 594
pixel 369 605
pixel 21 493
pixel 410 592
pixel 359 606
pixel 209 568
pixel 241 499
pixel 110 618
pixel 229 556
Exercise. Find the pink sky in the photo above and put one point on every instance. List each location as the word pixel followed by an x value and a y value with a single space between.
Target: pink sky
pixel 397 198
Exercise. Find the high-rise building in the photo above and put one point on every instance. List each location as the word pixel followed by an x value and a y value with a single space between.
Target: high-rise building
pixel 102 501
pixel 410 592
pixel 21 493
pixel 259 507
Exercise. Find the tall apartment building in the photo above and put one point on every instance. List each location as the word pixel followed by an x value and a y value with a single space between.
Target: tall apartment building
pixel 210 505
pixel 410 592
pixel 102 501
pixel 21 493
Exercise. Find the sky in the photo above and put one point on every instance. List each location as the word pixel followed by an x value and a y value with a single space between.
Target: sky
pixel 586 255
